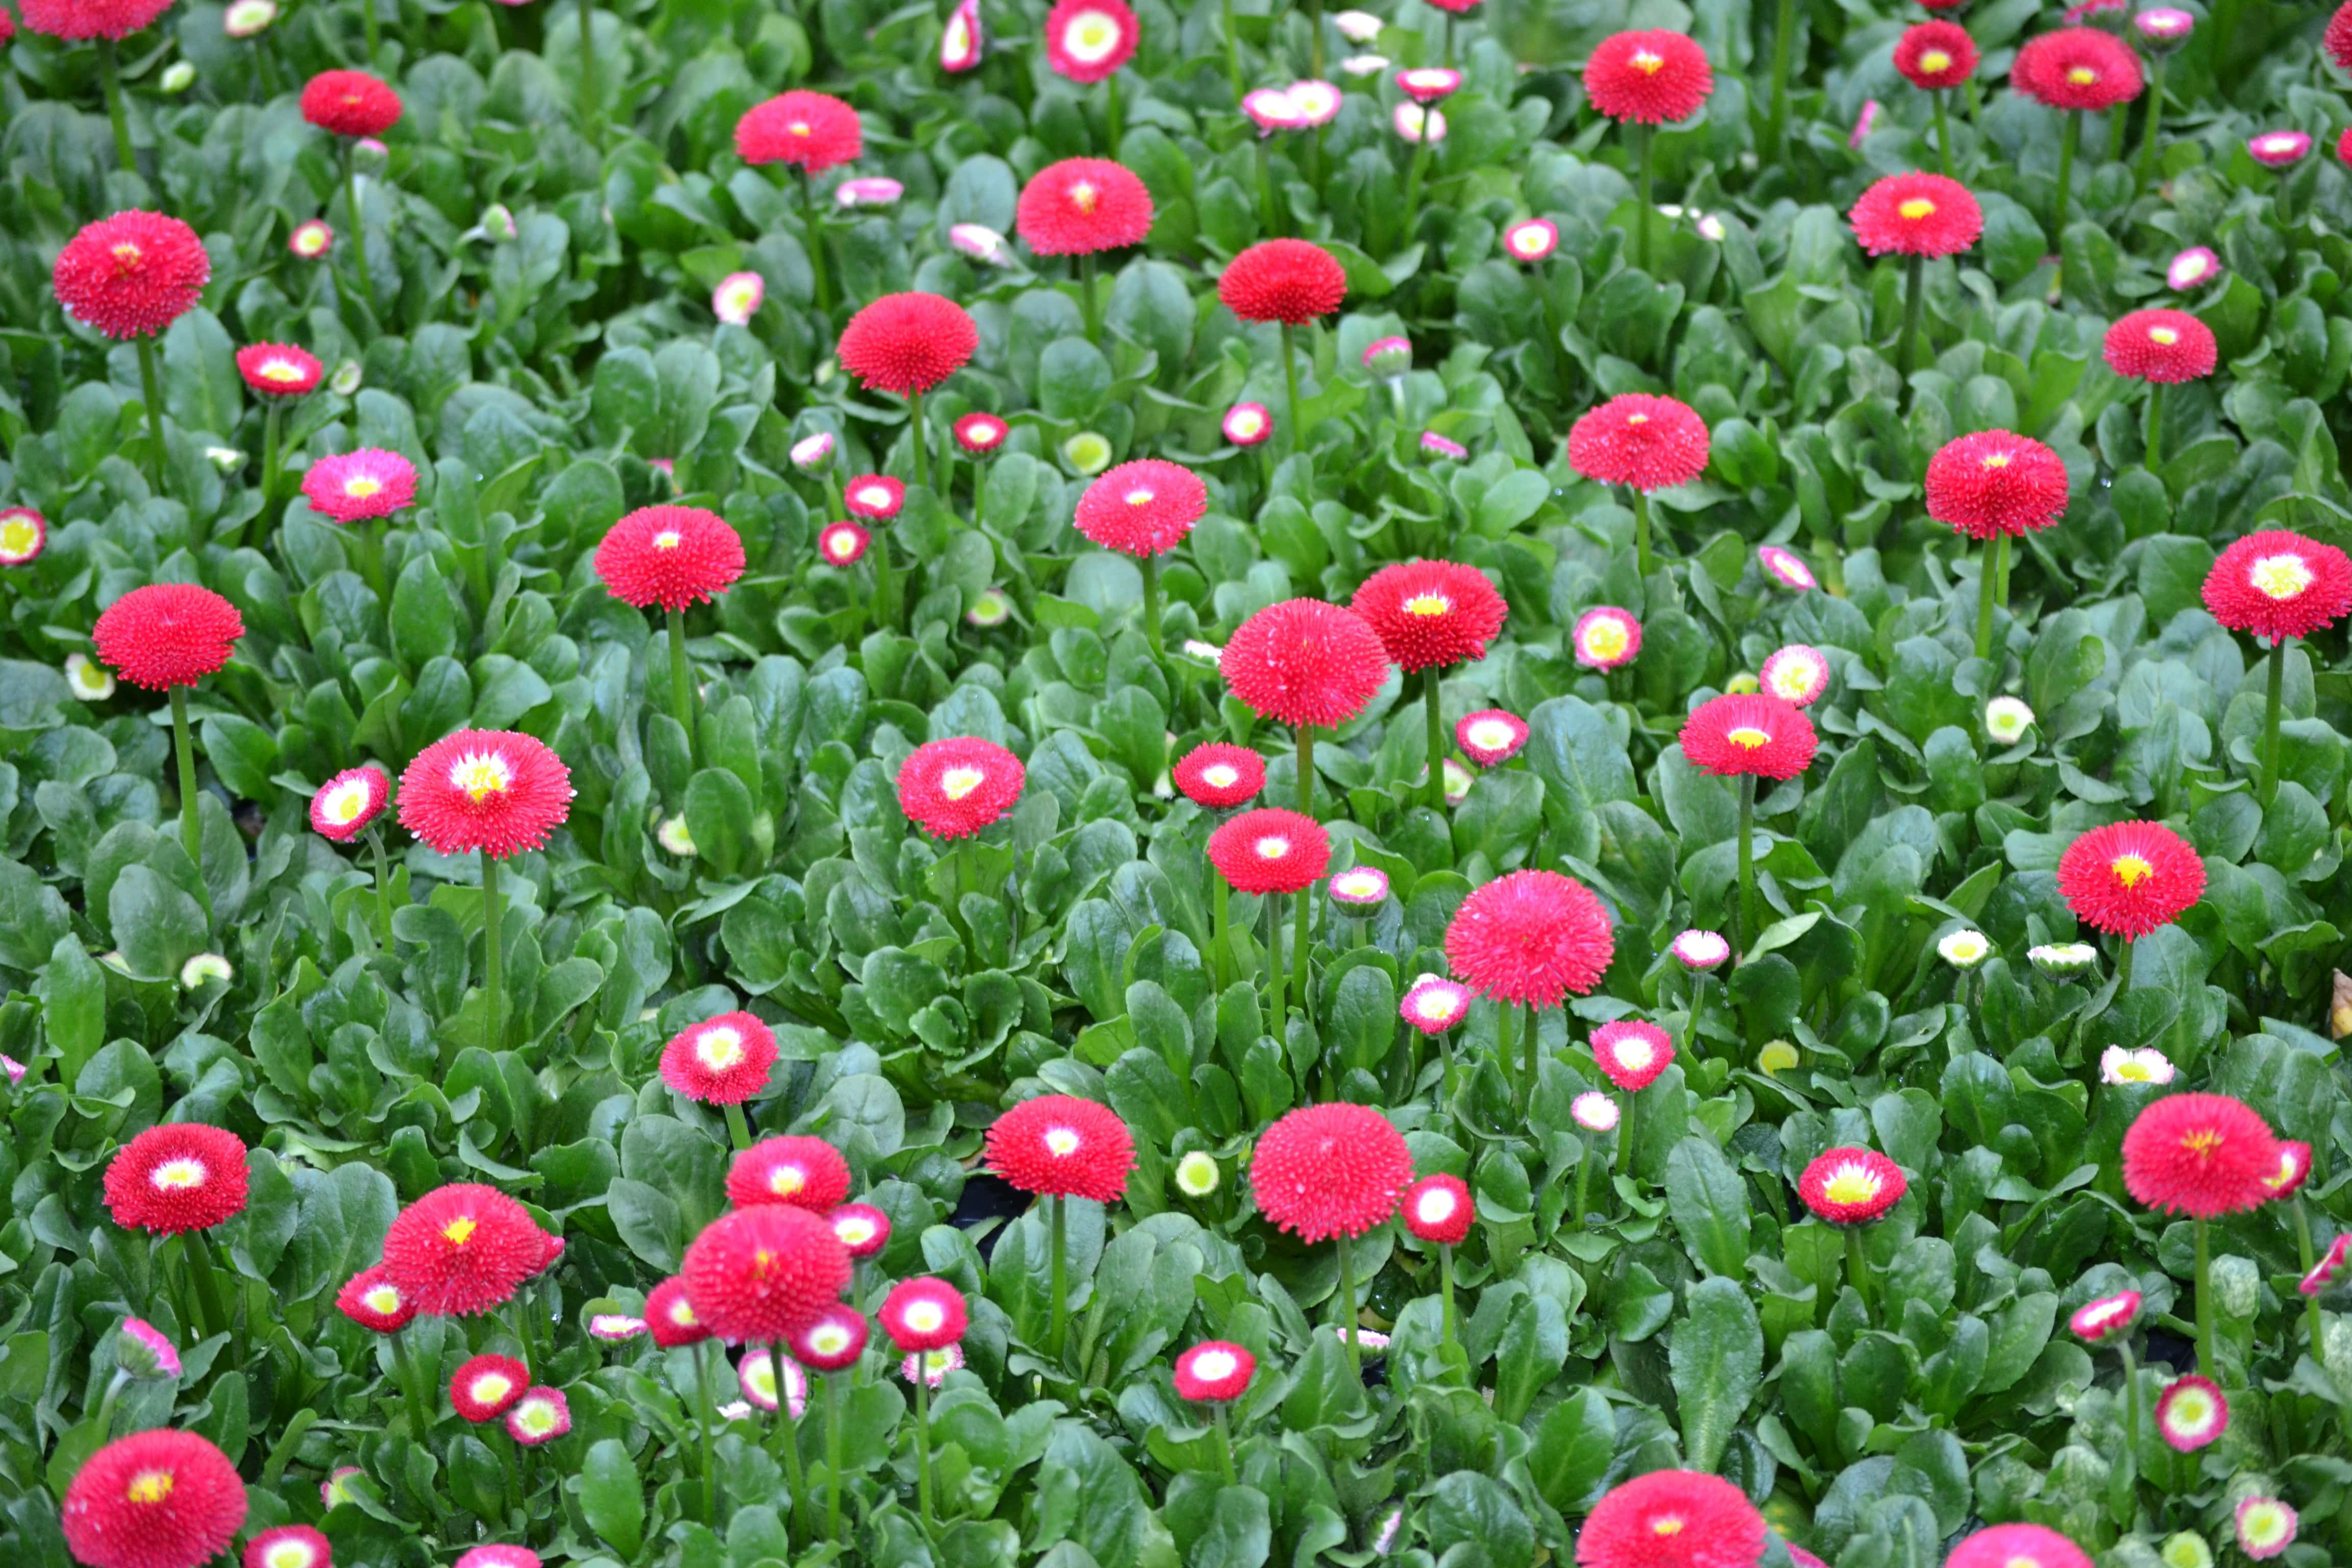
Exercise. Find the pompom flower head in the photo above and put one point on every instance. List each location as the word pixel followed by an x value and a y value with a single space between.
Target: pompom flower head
pixel 1431 613
pixel 1303 661
pixel 132 275
pixel 1748 733
pixel 79 19
pixel 167 635
pixel 909 344
pixel 372 1301
pixel 1606 638
pixel 878 498
pixel 2102 1318
pixel 1649 443
pixel 723 1061
pixel 540 1415
pixel 462 1249
pixel 1531 240
pixel 2294 1169
pixel 2265 1525
pixel 1270 850
pixel 1214 1372
pixel 487 1387
pixel 2204 1155
pixel 288 1546
pixel 1063 1146
pixel 352 486
pixel 862 1227
pixel 2076 67
pixel 765 1273
pixel 1220 774
pixel 955 787
pixel 1797 674
pixel 2129 878
pixel 1143 508
pixel 1851 1187
pixel 1916 215
pixel 492 790
pixel 2162 346
pixel 347 803
pixel 1086 40
pixel 1330 1169
pixel 924 1314
pixel 672 556
pixel 160 1498
pixel 842 545
pixel 807 1172
pixel 1288 280
pixel 278 370
pixel 177 1176
pixel 349 103
pixel 833 1342
pixel 1439 1209
pixel 24 534
pixel 1650 77
pixel 1672 1519
pixel 670 1317
pixel 2273 584
pixel 812 131
pixel 1080 207
pixel 1632 1053
pixel 1490 737
pixel 2278 149
pixel 2018 1546
pixel 1434 1005
pixel 1530 936
pixel 2192 1413
pixel 1936 55
pixel 1993 482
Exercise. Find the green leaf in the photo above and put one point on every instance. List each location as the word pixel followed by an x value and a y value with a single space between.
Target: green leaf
pixel 1717 1357
pixel 612 1499
pixel 1709 1203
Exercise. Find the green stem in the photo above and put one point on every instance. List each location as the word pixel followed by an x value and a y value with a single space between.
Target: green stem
pixel 1625 1122
pixel 359 224
pixel 382 887
pixel 269 427
pixel 832 1457
pixel 2209 1359
pixel 1058 1326
pixel 1642 558
pixel 789 1430
pixel 739 1128
pixel 519 1324
pixel 1643 138
pixel 1089 310
pixel 1302 903
pixel 1533 1046
pixel 2124 968
pixel 1783 37
pixel 815 230
pixel 492 935
pixel 923 1442
pixel 1506 1018
pixel 405 1370
pixel 104 1422
pixel 1747 932
pixel 2146 161
pixel 1226 1442
pixel 2000 554
pixel 2131 1401
pixel 2274 695
pixel 1220 942
pixel 2072 135
pixel 1583 1165
pixel 1290 390
pixel 703 1352
pixel 375 33
pixel 1857 1266
pixel 681 683
pixel 1943 133
pixel 1152 634
pixel 1315 38
pixel 1416 171
pixel 1348 1307
pixel 1432 703
pixel 1305 770
pixel 2302 1251
pixel 190 836
pixel 1232 53
pixel 920 438
pixel 886 579
pixel 1268 215
pixel 591 110
pixel 1449 40
pixel 1277 976
pixel 1113 115
pixel 1985 580
pixel 2152 428
pixel 110 74
pixel 1906 347
pixel 151 390
pixel 208 1296
pixel 1446 1294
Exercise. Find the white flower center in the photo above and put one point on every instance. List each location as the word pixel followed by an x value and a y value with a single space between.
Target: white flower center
pixel 288 1554
pixel 2281 577
pixel 1434 1207
pixel 924 1317
pixel 1061 1141
pixel 481 774
pixel 1091 37
pixel 855 1231
pixel 491 1387
pixel 828 1340
pixel 1214 1366
pixel 786 1179
pixel 360 487
pixel 1605 638
pixel 346 802
pixel 180 1175
pixel 668 539
pixel 1221 775
pixel 961 780
pixel 1490 734
pixel 718 1049
pixel 1272 848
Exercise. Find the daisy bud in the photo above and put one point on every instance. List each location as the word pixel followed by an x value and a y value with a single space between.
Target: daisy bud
pixel 1863 124
pixel 2237 1286
pixel 756 1372
pixel 1434 1005
pixel 980 242
pixel 1440 446
pixel 842 545
pixel 615 1328
pixel 1785 569
pixel 871 191
pixel 346 380
pixel 2148 1065
pixel 992 608
pixel 1358 26
pixel 2185 1548
pixel 2007 719
pixel 141 1350
pixel 1196 648
pixel 1316 100
pixel 248 18
pixel 13 1068
pixel 499 223
pixel 2062 957
pixel 1197 1174
pixel 333 1492
pixel 1777 1058
pixel 1361 66
pixel 1416 123
pixel 2278 149
pixel 1700 950
pixel 1087 452
pixel 203 967
pixel 1247 424
pixel 961 42
pixel 1362 887
pixel 177 78
pixel 2165 28
pixel 288 1546
pixel 1389 358
pixel 1963 949
pixel 2193 268
pixel 1594 1111
pixel 810 452
pixel 540 1415
pixel 672 835
pixel 1530 240
pixel 496 1556
pixel 1490 737
pixel 933 1366
pixel 1457 782
pixel 1216 1372
pixel 736 300
pixel 227 459
pixel 312 241
pixel 2105 1317
pixel 980 434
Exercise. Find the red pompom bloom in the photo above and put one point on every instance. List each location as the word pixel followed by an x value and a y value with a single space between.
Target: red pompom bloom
pixel 132 275
pixel 1304 662
pixel 1270 850
pixel 1086 40
pixel 2103 1319
pixel 955 787
pixel 80 19
pixel 765 1273
pixel 670 1317
pixel 1330 1169
pixel 2191 1412
pixel 907 343
pixel 1213 1372
pixel 2199 1154
pixel 2129 878
pixel 1080 207
pixel 487 1387
pixel 540 1415
pixel 462 1249
pixel 877 496
pixel 1995 483
pixel 1143 508
pixel 2338 40
pixel 1649 443
pixel 1491 736
pixel 24 534
pixel 2279 584
pixel 1916 215
pixel 1672 1519
pixel 372 1301
pixel 806 1172
pixel 807 130
pixel 2076 67
pixel 1439 1209
pixel 720 1061
pixel 1632 1053
pixel 1219 774
pixel 352 486
pixel 842 545
pixel 278 370
pixel 2162 346
pixel 1851 1187
pixel 160 1498
pixel 288 1546
pixel 1749 733
pixel 1431 613
pixel 1650 77
pixel 862 1227
pixel 349 103
pixel 669 556
pixel 347 803
pixel 834 1343
pixel 1530 936
pixel 167 635
pixel 924 1314
pixel 1934 54
pixel 980 434
pixel 2018 1546
pixel 492 790
pixel 2294 1169
pixel 1287 280
pixel 176 1176
pixel 1061 1145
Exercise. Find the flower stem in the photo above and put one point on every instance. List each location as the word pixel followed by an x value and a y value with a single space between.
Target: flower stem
pixel 1089 311
pixel 738 1130
pixel 915 432
pixel 2072 135
pixel 1417 171
pixel 2131 1401
pixel 1303 902
pixel 2000 571
pixel 382 887
pixel 2124 968
pixel 2302 1251
pixel 1232 53
pixel 1642 558
pixel 2274 695
pixel 270 426
pixel 1906 347
pixel 681 682
pixel 405 1370
pixel 819 284
pixel 789 1430
pixel 200 1271
pixel 1506 1018
pixel 1583 1165
pixel 1277 976
pixel 2146 161
pixel 1315 38
pixel 592 119
pixel 1445 1295
pixel 1058 1326
pixel 833 1460
pixel 1747 932
pixel 1985 580
pixel 190 836
pixel 1113 115
pixel 1857 1266
pixel 2152 428
pixel 492 935
pixel 110 74
pixel 151 390
pixel 1305 770
pixel 1643 138
pixel 707 1404
pixel 1220 942
pixel 2209 1359
pixel 1784 30
pixel 1225 1444
pixel 1943 133
pixel 374 27
pixel 923 1442
pixel 1269 216
pixel 359 224
pixel 1533 1046
pixel 1290 390
pixel 1348 1307
pixel 1433 701
pixel 1152 634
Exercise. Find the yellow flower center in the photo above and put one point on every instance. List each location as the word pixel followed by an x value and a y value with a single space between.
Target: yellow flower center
pixel 1272 848
pixel 536 1419
pixel 924 1317
pixel 1082 195
pixel 718 1049
pixel 1935 60
pixel 1917 208
pixel 681 1313
pixel 149 1486
pixel 491 1387
pixel 18 535
pixel 1490 735
pixel 1140 496
pixel 668 539
pixel 481 774
pixel 2131 1070
pixel 1777 1059
pixel 178 1175
pixel 1667 1525
pixel 786 1179
pixel 1794 678
pixel 1606 638
pixel 1637 419
pixel 1647 63
pixel 459 1231
pixel 1061 1142
pixel 2281 577
pixel 346 802
pixel 854 1232
pixel 1428 604
pixel 382 1299
pixel 2081 76
pixel 2163 335
pixel 1851 1184
pixel 2201 1143
pixel 359 486
pixel 281 370
pixel 288 1554
pixel 797 128
pixel 2132 869
pixel 1093 36
pixel 957 783
pixel 1995 460
pixel 1633 1055
pixel 127 256
pixel 1220 776
pixel 829 1340
pixel 1749 736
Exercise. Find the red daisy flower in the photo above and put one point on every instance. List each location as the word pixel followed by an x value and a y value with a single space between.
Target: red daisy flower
pixel 907 343
pixel 494 1556
pixel 1143 508
pixel 2076 67
pixel 806 1172
pixel 1061 1145
pixel 167 635
pixel 979 434
pixel 1606 638
pixel 1935 54
pixel 288 1546
pixel 722 1060
pixel 841 545
pixel 1649 443
pixel 487 1387
pixel 862 1227
pixel 352 486
pixel 1749 733
pixel 957 786
pixel 1796 673
pixel 2294 1169
pixel 132 275
pixel 2102 1318
pixel 924 1314
pixel 1218 775
pixel 540 1415
pixel 2338 40
pixel 1431 613
pixel 1213 1372
pixel 1086 40
pixel 1439 1209
pixel 811 132
pixel 1851 1187
pixel 877 496
pixel 90 18
pixel 349 103
pixel 462 1249
pixel 1083 205
pixel 1632 1053
pixel 670 1316
pixel 24 534
pixel 669 556
pixel 278 370
pixel 1530 936
pixel 833 1342
pixel 372 1301
pixel 1287 280
pixel 160 1498
pixel 2018 1546
pixel 1916 215
pixel 492 790
pixel 347 803
pixel 1652 77
pixel 1490 737
pixel 1270 850
pixel 177 1176
pixel 1672 1519
pixel 1995 483
pixel 763 1273
pixel 2192 1413
pixel 1303 661
pixel 2129 878
pixel 2278 585
pixel 1330 1169
pixel 2199 1154
pixel 2162 346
